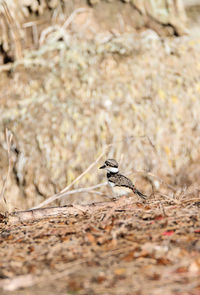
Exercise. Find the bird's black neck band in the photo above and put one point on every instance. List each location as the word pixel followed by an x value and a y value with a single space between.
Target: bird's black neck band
pixel 109 174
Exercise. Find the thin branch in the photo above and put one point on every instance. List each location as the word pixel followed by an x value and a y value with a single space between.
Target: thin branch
pixel 144 173
pixel 9 137
pixel 50 212
pixel 14 30
pixel 84 172
pixel 61 29
pixel 162 181
pixel 72 15
pixel 62 193
pixel 86 189
pixel 6 67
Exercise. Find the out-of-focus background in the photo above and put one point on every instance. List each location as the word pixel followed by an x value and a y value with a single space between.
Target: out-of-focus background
pixel 78 75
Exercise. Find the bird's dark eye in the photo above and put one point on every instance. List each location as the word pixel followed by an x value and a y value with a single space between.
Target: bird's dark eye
pixel 106 162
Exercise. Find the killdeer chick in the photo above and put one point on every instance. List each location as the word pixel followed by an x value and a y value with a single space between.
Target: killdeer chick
pixel 121 185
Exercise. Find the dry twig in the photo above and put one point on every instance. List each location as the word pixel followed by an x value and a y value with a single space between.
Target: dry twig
pixel 9 137
pixel 14 30
pixel 63 192
pixel 41 213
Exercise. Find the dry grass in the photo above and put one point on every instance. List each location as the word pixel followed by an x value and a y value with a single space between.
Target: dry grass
pixel 71 98
pixel 8 137
pixel 23 23
pixel 74 95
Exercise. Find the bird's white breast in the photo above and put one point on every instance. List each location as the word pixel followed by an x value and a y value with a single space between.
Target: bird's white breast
pixel 119 191
pixel 112 184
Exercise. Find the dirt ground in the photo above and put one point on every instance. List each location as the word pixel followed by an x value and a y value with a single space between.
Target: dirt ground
pixel 124 247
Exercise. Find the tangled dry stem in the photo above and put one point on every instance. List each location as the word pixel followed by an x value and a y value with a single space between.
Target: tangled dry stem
pixel 9 137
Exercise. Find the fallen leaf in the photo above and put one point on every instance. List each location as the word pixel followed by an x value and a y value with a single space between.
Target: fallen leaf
pixel 119 271
pixel 74 286
pixel 154 276
pixel 147 216
pixel 129 257
pixel 100 279
pixel 90 238
pixel 168 233
pixel 158 217
pixel 163 261
pixel 197 231
pixel 139 205
pixel 181 269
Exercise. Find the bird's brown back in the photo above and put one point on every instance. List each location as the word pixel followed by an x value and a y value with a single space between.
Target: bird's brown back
pixel 120 180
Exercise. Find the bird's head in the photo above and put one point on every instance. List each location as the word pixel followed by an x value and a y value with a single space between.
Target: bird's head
pixel 110 165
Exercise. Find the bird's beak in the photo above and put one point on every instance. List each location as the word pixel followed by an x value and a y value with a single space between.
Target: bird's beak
pixel 102 167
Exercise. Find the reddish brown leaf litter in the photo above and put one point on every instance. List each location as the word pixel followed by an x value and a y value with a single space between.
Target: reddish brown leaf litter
pixel 125 247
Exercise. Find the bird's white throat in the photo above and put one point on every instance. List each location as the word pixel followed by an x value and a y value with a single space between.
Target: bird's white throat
pixel 112 169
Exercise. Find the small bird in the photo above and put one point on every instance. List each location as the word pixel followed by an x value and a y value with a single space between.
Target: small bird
pixel 117 180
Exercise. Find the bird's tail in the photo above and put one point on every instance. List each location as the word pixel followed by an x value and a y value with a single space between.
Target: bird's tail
pixel 139 193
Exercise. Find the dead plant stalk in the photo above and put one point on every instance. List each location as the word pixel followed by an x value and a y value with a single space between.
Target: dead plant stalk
pixel 63 192
pixel 9 137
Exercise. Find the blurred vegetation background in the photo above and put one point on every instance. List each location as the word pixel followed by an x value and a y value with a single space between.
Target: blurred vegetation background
pixel 78 75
